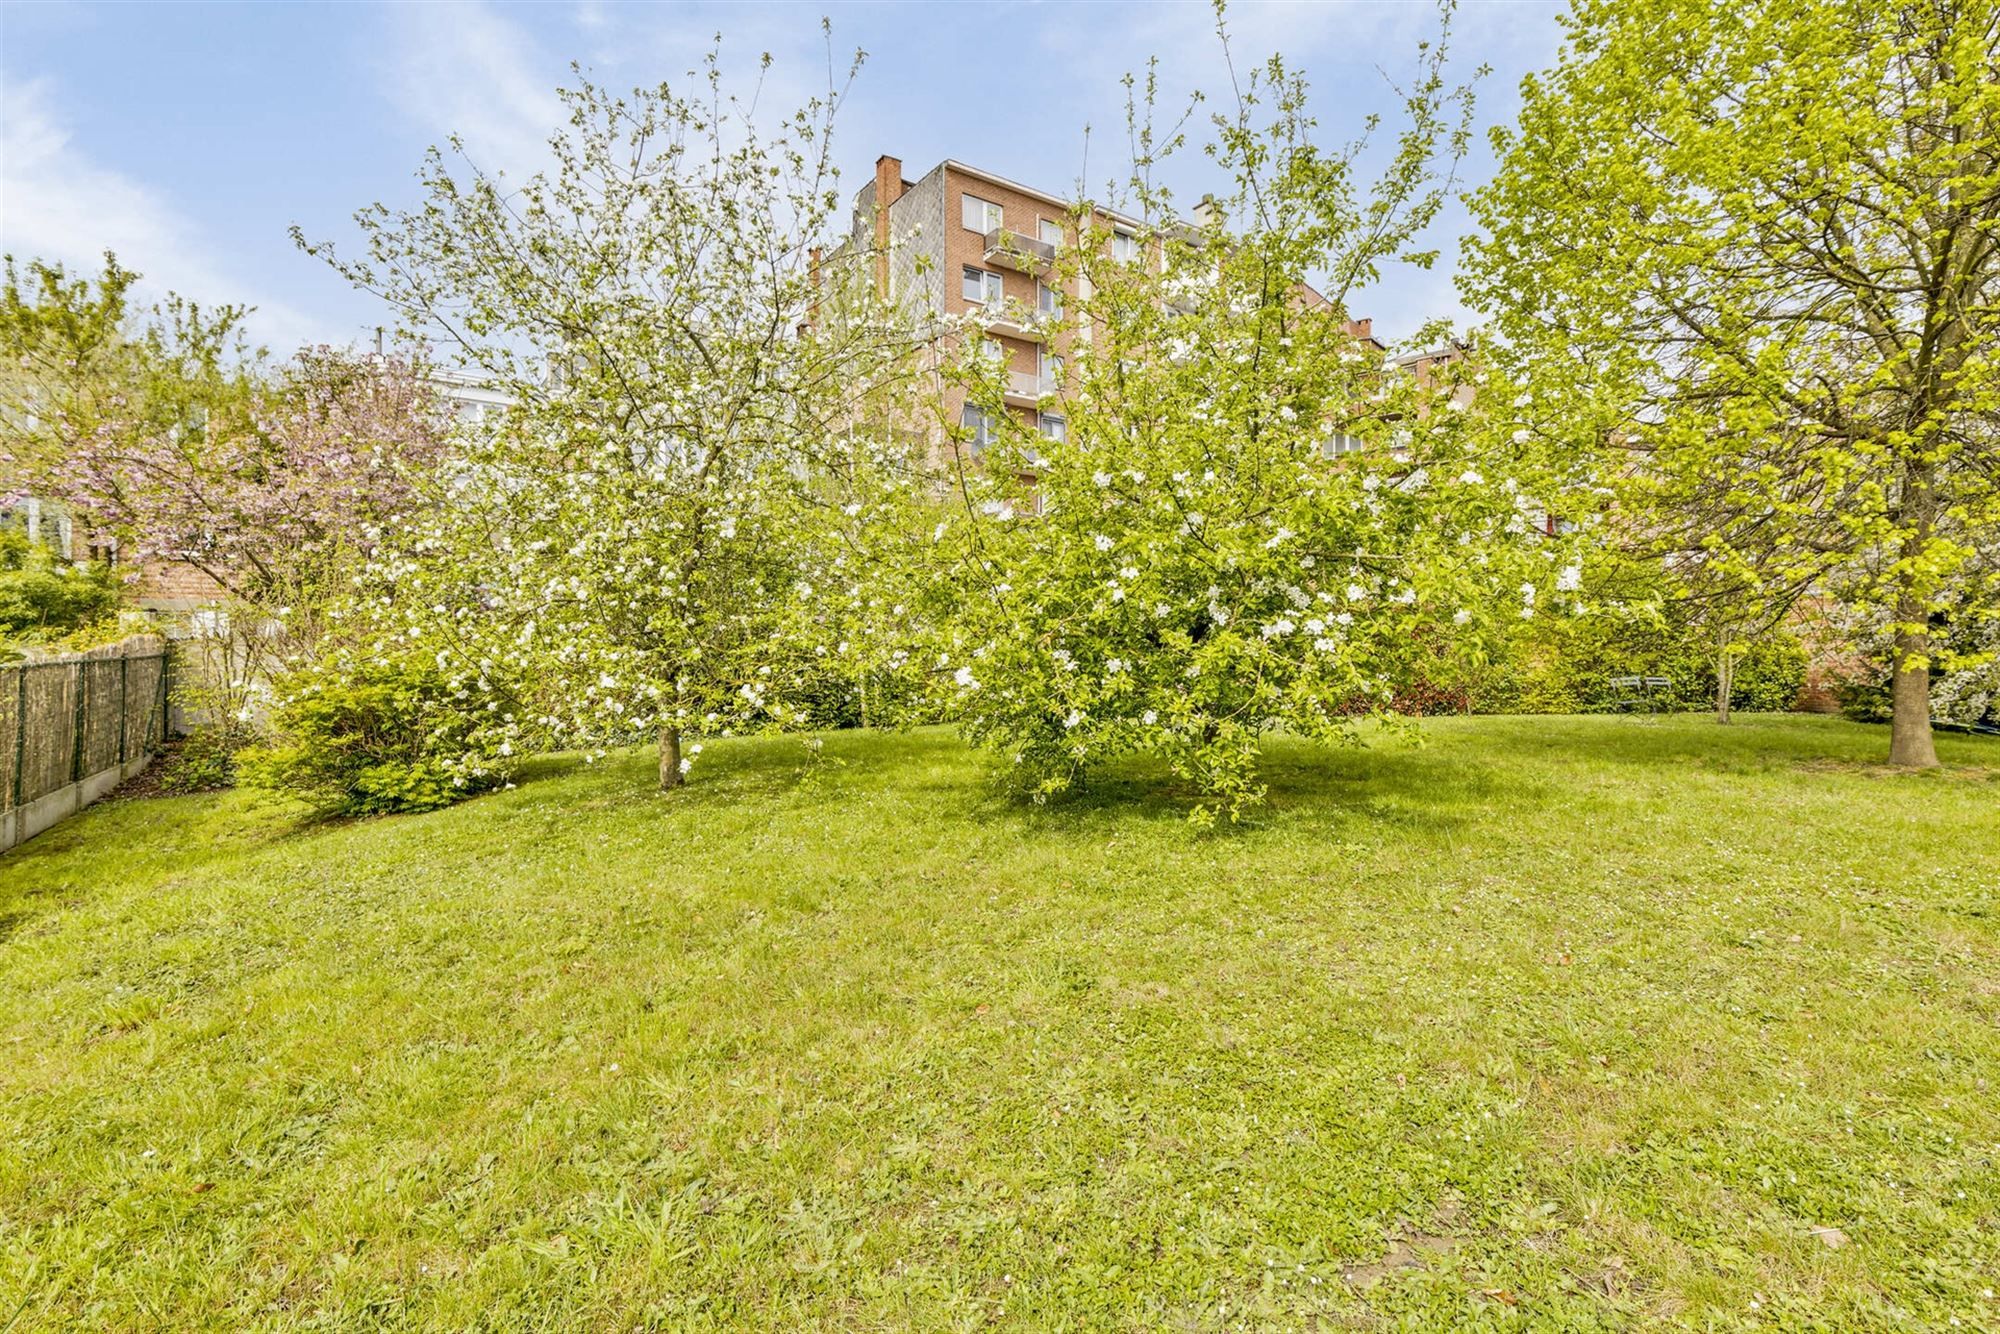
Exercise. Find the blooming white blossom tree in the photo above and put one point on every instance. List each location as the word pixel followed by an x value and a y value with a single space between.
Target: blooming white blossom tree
pixel 1194 561
pixel 648 543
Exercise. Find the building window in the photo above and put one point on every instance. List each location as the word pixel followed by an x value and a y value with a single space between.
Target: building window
pixel 1054 427
pixel 1124 247
pixel 1051 375
pixel 1340 442
pixel 981 287
pixel 979 426
pixel 1049 300
pixel 980 215
pixel 1048 232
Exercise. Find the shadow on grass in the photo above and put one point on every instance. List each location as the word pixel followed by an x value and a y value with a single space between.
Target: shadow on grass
pixel 1380 781
pixel 733 770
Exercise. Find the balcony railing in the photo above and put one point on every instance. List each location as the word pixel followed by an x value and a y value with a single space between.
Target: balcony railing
pixel 1023 254
pixel 1015 321
pixel 1027 388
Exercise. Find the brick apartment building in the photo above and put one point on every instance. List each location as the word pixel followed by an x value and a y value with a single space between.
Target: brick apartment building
pixel 960 239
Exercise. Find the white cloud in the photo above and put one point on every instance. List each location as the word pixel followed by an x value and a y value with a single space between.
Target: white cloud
pixel 57 203
pixel 465 70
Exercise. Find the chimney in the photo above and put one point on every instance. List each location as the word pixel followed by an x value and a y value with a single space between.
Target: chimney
pixel 1207 213
pixel 888 189
pixel 1364 329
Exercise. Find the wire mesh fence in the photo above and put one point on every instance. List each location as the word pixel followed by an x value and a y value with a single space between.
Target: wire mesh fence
pixel 63 720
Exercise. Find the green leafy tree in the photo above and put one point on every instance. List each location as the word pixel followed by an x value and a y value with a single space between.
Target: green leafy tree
pixel 84 364
pixel 647 544
pixel 1748 258
pixel 1251 520
pixel 69 361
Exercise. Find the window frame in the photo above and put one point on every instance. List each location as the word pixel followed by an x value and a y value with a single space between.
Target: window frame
pixel 994 215
pixel 985 429
pixel 986 276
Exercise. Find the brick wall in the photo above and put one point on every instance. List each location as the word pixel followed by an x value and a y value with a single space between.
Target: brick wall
pixel 160 586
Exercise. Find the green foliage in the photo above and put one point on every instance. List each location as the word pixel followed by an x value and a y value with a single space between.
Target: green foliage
pixel 1744 257
pixel 826 699
pixel 44 597
pixel 366 738
pixel 1201 559
pixel 84 366
pixel 1967 691
pixel 66 360
pixel 204 760
pixel 1864 696
pixel 1567 666
pixel 650 542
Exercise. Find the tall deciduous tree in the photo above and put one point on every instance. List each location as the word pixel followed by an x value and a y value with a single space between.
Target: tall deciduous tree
pixel 67 358
pixel 1749 257
pixel 637 546
pixel 271 490
pixel 1250 520
pixel 82 364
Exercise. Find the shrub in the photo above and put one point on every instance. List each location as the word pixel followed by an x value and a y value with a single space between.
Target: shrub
pixel 378 738
pixel 1864 697
pixel 43 596
pixel 205 759
pixel 1965 676
pixel 1567 666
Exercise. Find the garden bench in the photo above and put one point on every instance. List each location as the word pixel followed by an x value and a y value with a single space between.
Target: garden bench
pixel 1644 692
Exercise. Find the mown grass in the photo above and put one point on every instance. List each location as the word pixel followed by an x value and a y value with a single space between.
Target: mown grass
pixel 1549 1023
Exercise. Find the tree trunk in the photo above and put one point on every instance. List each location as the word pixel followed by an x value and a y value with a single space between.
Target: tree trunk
pixel 1910 744
pixel 1725 677
pixel 670 759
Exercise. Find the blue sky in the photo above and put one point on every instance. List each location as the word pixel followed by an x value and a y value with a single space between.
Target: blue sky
pixel 190 137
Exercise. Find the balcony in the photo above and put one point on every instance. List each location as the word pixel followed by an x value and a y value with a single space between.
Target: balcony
pixel 1026 389
pixel 1013 320
pixel 1023 254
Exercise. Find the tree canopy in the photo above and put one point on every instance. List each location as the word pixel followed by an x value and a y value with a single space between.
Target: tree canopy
pixel 1748 259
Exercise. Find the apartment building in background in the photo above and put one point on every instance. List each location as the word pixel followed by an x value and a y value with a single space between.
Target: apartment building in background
pixel 960 239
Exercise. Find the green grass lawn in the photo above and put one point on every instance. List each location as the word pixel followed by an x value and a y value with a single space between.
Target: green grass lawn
pixel 1548 1023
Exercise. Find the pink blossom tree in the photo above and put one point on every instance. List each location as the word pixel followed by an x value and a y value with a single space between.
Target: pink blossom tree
pixel 273 494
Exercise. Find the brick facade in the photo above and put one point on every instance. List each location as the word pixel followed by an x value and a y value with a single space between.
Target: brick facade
pixel 923 248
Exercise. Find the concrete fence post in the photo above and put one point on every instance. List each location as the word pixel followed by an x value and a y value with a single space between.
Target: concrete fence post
pixel 20 728
pixel 81 717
